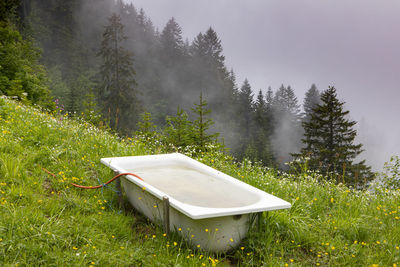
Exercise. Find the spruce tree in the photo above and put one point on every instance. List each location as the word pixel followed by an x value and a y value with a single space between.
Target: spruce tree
pixel 179 131
pixel 286 121
pixel 117 89
pixel 202 124
pixel 329 142
pixel 311 100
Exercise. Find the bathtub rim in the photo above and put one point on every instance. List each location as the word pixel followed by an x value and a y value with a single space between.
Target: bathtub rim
pixel 199 212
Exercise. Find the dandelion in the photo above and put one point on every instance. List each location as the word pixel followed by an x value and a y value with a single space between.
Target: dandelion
pixel 112 236
pixel 242 248
pixel 206 230
pixel 333 248
pixel 198 245
pixel 231 239
pixel 74 248
pixel 121 247
pixel 164 234
pixel 154 236
pixel 175 243
pixel 179 229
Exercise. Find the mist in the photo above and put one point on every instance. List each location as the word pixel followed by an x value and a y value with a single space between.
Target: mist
pixel 351 45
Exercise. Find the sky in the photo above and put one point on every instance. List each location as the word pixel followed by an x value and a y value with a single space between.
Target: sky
pixel 353 45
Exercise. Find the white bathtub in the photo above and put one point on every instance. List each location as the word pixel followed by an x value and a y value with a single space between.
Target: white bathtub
pixel 210 209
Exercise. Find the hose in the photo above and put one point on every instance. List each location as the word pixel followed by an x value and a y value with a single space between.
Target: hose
pixel 98 186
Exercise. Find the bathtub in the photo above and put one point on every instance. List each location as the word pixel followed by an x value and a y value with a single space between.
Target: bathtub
pixel 211 210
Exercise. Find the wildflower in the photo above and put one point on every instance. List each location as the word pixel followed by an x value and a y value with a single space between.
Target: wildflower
pixel 332 200
pixel 154 236
pixel 231 239
pixel 121 247
pixel 206 229
pixel 241 248
pixel 74 248
pixel 175 243
pixel 333 248
pixel 112 236
pixel 164 234
pixel 179 229
pixel 198 245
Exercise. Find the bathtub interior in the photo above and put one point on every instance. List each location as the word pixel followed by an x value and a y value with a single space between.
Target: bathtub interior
pixel 194 188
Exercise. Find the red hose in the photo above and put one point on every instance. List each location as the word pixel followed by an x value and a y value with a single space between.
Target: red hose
pixel 106 183
pixel 98 186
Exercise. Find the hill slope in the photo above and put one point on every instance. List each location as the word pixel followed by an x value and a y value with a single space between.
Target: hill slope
pixel 44 221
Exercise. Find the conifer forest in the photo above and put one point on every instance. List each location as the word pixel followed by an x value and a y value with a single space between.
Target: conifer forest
pixel 104 60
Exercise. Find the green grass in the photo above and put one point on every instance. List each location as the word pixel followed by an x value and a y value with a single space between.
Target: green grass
pixel 45 221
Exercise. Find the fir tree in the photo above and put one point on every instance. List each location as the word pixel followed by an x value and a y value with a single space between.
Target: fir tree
pixel 286 121
pixel 117 90
pixel 202 124
pixel 179 131
pixel 311 100
pixel 329 142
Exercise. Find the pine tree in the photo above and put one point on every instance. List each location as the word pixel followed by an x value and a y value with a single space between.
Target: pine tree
pixel 117 90
pixel 245 117
pixel 311 100
pixel 286 121
pixel 261 131
pixel 179 131
pixel 202 124
pixel 329 142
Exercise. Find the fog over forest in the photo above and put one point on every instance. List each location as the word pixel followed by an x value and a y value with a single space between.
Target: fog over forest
pixel 253 63
pixel 352 45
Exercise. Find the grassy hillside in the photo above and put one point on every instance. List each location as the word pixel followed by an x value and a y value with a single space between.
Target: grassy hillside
pixel 45 221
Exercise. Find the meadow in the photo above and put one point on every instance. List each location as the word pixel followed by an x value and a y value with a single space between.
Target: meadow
pixel 46 221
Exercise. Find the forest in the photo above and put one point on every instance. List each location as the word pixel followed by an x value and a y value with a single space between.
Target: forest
pixel 105 61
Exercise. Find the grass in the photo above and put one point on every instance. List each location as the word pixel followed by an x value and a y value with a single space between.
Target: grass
pixel 45 221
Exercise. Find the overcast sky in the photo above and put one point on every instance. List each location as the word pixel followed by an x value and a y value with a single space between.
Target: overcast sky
pixel 353 45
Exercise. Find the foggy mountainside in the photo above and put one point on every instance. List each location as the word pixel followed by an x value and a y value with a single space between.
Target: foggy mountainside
pixel 86 80
pixel 106 61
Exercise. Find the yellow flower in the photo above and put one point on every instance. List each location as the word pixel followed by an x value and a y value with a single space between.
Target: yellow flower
pixel 231 239
pixel 198 245
pixel 74 248
pixel 179 229
pixel 333 248
pixel 175 243
pixel 241 248
pixel 206 230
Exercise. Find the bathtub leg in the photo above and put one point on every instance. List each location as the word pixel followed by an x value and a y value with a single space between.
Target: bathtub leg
pixel 166 214
pixel 259 221
pixel 119 190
